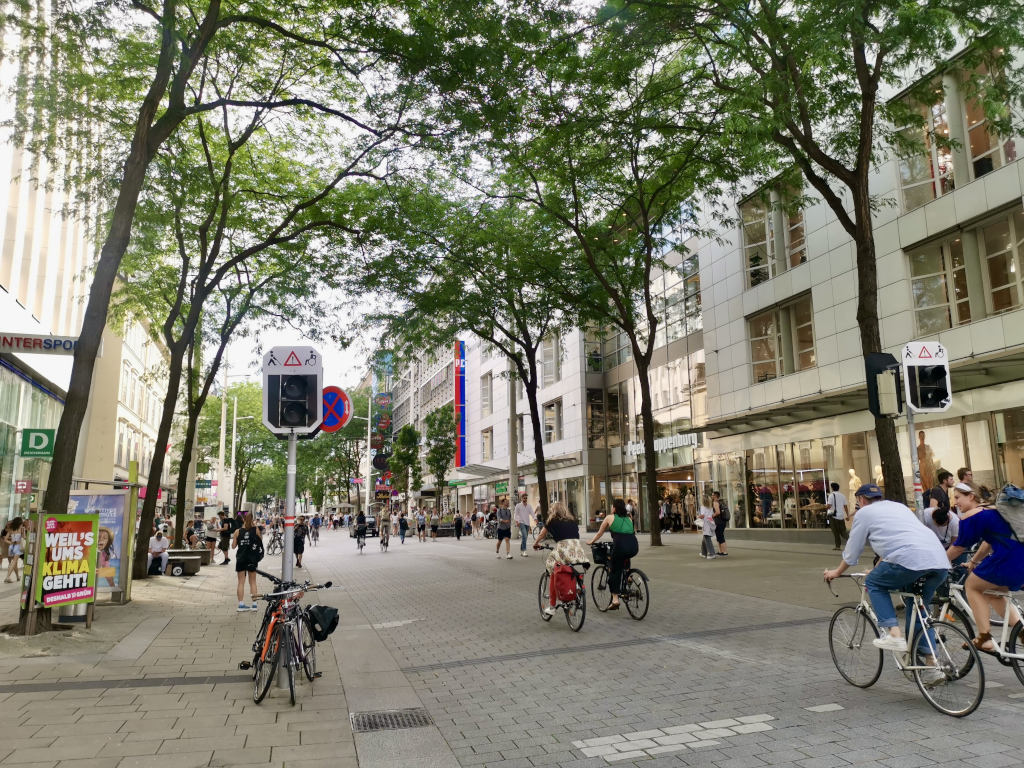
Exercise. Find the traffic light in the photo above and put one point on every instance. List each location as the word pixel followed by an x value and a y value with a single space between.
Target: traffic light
pixel 292 391
pixel 882 375
pixel 928 387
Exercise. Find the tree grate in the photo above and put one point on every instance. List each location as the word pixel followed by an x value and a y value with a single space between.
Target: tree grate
pixel 389 720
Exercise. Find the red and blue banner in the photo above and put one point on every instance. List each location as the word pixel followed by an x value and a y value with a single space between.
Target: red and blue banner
pixel 460 403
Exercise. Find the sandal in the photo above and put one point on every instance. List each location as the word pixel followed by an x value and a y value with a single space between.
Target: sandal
pixel 980 641
pixel 613 607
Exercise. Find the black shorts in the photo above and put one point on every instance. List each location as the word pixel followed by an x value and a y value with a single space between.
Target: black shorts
pixel 299 547
pixel 433 529
pixel 244 566
pixel 504 533
pixel 225 543
pixel 421 528
pixel 212 539
pixel 720 532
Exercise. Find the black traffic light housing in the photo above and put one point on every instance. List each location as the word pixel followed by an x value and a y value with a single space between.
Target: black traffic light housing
pixel 292 400
pixel 882 372
pixel 928 386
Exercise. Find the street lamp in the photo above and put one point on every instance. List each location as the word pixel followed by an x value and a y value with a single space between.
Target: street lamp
pixel 234 440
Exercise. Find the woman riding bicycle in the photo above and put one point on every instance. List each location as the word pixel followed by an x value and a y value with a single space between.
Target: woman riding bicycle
pixel 562 527
pixel 997 565
pixel 626 546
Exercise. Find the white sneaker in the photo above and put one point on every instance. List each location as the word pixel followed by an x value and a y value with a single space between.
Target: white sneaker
pixel 549 611
pixel 523 554
pixel 499 555
pixel 508 557
pixel 890 643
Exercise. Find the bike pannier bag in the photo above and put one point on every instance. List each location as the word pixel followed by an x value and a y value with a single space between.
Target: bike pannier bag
pixel 564 578
pixel 324 621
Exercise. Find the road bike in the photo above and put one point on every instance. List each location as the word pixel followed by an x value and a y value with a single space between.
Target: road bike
pixel 287 636
pixel 361 539
pixel 940 657
pixel 575 609
pixel 276 544
pixel 635 594
pixel 954 608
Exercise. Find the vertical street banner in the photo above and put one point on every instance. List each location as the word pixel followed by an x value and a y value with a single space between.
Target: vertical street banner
pixel 67 559
pixel 460 403
pixel 110 545
pixel 380 422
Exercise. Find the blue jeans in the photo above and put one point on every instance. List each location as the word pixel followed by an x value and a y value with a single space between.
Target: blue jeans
pixel 889 577
pixel 524 531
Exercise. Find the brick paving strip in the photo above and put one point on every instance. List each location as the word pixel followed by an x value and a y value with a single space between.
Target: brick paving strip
pixel 672 738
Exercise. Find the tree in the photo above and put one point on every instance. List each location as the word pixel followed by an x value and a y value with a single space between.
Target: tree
pixel 404 462
pixel 480 260
pixel 808 80
pixel 440 443
pixel 133 71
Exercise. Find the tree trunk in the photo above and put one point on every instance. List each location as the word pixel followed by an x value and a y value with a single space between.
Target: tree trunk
pixel 871 340
pixel 538 444
pixel 650 456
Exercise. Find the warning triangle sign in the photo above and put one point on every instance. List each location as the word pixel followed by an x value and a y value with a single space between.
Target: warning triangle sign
pixel 293 359
pixel 924 353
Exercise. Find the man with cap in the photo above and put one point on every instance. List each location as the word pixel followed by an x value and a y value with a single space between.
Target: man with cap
pixel 907 550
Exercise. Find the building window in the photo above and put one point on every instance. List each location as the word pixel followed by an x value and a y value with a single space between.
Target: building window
pixel 939 287
pixel 552 421
pixel 521 434
pixel 595 418
pixel 757 240
pixel 486 395
pixel 782 340
pixel 1002 244
pixel 550 360
pixel 120 446
pixel 487 444
pixel 796 246
pixel 927 173
pixel 988 150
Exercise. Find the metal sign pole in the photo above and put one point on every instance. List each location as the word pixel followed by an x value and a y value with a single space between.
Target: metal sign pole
pixel 914 461
pixel 288 552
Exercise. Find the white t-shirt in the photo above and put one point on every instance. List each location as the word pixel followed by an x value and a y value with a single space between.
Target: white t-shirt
pixel 707 514
pixel 158 546
pixel 837 505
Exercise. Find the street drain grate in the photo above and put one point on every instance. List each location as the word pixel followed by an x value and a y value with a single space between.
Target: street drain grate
pixel 389 720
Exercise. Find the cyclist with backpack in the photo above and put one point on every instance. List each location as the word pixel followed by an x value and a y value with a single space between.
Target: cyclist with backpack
pixel 249 546
pixel 999 562
pixel 620 524
pixel 563 528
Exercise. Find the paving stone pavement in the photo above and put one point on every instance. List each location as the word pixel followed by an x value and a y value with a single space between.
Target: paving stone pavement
pixel 733 649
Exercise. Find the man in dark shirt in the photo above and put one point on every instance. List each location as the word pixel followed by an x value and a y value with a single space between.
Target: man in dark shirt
pixel 938 497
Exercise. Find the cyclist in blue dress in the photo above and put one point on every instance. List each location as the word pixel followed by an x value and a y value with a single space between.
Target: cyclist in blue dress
pixel 998 563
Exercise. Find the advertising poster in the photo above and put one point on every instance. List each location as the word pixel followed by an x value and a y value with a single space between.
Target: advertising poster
pixel 68 560
pixel 110 507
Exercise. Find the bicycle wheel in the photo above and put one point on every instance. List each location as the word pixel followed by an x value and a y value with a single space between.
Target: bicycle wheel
pixel 308 646
pixel 543 599
pixel 266 667
pixel 850 633
pixel 953 685
pixel 576 609
pixel 636 595
pixel 599 588
pixel 289 664
pixel 953 614
pixel 1016 645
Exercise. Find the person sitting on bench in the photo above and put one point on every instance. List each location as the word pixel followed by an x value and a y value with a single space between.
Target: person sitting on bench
pixel 158 545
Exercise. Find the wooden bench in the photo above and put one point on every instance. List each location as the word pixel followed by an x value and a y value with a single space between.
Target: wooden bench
pixel 183 562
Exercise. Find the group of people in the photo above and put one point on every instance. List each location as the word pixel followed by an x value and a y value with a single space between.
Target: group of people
pixel 923 547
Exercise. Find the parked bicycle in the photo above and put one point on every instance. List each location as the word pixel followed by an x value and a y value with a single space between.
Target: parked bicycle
pixel 570 594
pixel 954 608
pixel 276 544
pixel 288 635
pixel 635 595
pixel 940 657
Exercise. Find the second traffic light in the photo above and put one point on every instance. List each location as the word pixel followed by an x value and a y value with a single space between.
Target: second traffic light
pixel 928 387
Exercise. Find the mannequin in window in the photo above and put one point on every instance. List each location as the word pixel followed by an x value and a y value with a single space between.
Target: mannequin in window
pixel 926 461
pixel 879 478
pixel 854 483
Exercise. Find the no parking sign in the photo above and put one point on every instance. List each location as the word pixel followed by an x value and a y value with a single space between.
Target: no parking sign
pixel 337 409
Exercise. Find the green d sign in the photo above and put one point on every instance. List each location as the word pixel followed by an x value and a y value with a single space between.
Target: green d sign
pixel 37 443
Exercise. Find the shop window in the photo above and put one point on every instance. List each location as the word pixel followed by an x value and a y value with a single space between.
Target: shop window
pixel 552 421
pixel 938 283
pixel 1009 433
pixel 1002 243
pixel 487 444
pixel 782 340
pixel 551 360
pixel 927 172
pixel 486 394
pixel 595 418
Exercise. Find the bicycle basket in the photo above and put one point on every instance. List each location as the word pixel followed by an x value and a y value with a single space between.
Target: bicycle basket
pixel 324 620
pixel 602 552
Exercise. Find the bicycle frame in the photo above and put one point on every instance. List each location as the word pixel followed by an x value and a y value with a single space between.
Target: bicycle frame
pixel 959 599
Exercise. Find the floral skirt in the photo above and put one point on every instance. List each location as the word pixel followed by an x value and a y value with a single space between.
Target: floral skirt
pixel 567 552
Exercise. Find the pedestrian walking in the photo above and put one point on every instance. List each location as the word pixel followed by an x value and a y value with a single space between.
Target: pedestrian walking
pixel 838 516
pixel 721 520
pixel 522 515
pixel 249 551
pixel 421 525
pixel 504 530
pixel 15 538
pixel 394 523
pixel 478 523
pixel 458 526
pixel 403 526
pixel 300 533
pixel 435 523
pixel 938 497
pixel 224 534
pixel 706 516
pixel 965 475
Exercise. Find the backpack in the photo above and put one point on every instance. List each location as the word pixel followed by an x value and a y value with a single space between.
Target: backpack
pixel 564 579
pixel 1010 506
pixel 724 507
pixel 250 546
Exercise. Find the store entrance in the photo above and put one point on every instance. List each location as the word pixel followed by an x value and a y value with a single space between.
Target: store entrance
pixel 678 499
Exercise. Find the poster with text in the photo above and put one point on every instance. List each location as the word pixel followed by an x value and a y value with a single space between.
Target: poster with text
pixel 68 560
pixel 110 507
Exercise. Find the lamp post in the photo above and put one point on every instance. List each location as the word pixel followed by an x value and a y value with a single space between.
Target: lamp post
pixel 234 442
